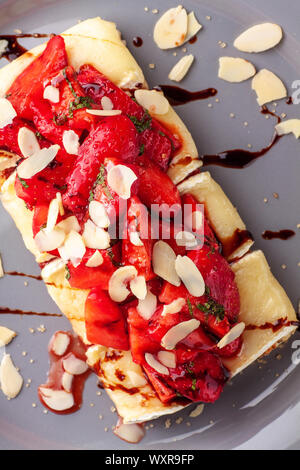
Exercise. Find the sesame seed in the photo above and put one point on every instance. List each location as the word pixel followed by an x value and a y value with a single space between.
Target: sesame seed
pixel 249 146
pixel 31 361
pixel 24 353
pixel 298 225
pixel 99 394
pixel 155 11
pixel 283 266
pixel 246 123
pixel 208 17
pixel 223 44
pixel 25 283
pixel 100 417
pixel 92 404
pixel 179 420
pixel 105 429
pixel 217 100
pixel 267 116
pixel 146 9
pixel 168 423
pixel 276 195
pixel 232 115
pixel 112 409
pixel 283 115
pixel 174 54
pixel 18 31
pixel 33 405
pixel 210 105
pixel 31 330
pixel 188 423
pixel 45 412
pixel 152 66
pixel 184 49
pixel 265 200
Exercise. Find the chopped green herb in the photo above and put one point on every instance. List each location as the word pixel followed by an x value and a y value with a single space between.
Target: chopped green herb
pixel 142 149
pixel 68 274
pixel 162 133
pixel 7 95
pixel 59 119
pixel 143 124
pixel 190 307
pixel 23 183
pixel 194 383
pixel 112 256
pixel 213 308
pixel 38 135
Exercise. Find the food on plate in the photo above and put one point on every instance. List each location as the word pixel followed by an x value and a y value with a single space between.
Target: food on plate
pixel 145 255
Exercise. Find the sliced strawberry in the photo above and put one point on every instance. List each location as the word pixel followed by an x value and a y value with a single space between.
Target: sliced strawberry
pixel 138 222
pixel 140 342
pixel 104 321
pixel 30 83
pixel 40 216
pixel 114 137
pixel 9 135
pixel 164 392
pixel 156 188
pixel 83 277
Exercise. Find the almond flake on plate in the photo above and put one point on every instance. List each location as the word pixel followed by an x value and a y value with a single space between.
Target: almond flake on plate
pixel 132 433
pixel 190 275
pixel 197 411
pixel 6 335
pixel 74 366
pixel 178 332
pixel 259 38
pixel 156 365
pixel 60 343
pixel 48 241
pixel 104 112
pixel 95 237
pixel 107 103
pixel 152 100
pixel 232 334
pixel 51 93
pixel 268 87
pixel 7 112
pixel 193 26
pixel 167 358
pixel 147 306
pixel 95 260
pixel 27 142
pixel 120 178
pixel 138 287
pixel 98 214
pixel 66 381
pixel 71 142
pixel 53 212
pixel 10 379
pixel 37 162
pixel 235 69
pixel 117 284
pixel 57 400
pixel 163 260
pixel 171 29
pixel 179 71
pixel 288 127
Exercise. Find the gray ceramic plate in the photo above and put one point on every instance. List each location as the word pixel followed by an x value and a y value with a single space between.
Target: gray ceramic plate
pixel 261 408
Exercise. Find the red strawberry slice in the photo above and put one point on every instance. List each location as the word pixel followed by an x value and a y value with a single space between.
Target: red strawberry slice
pixel 114 137
pixel 138 221
pixel 40 216
pixel 83 277
pixel 104 321
pixel 9 135
pixel 30 83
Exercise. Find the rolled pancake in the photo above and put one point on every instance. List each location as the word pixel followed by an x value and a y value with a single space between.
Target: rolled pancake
pixel 98 42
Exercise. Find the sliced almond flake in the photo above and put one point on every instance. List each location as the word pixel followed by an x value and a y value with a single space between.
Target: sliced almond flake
pixel 137 380
pixel 152 100
pixel 71 142
pixel 53 212
pixel 190 275
pixel 289 126
pixel 73 247
pixel 1 268
pixel 193 26
pixel 120 178
pixel 104 112
pixel 259 38
pixel 27 142
pixel 60 205
pixel 117 284
pixel 163 260
pixel 37 162
pixel 181 68
pixel 60 343
pixel 167 358
pixel 171 29
pixel 73 365
pixel 134 238
pixel 268 87
pixel 57 400
pixel 3 46
pixel 10 379
pixel 132 433
pixel 197 411
pixel 51 93
pixel 69 224
pixel 48 241
pixel 66 381
pixel 6 335
pixel 235 69
pixel 7 113
pixel 138 287
pixel 7 160
pixel 147 306
pixel 174 307
pixel 178 332
pixel 107 103
pixel 185 238
pixel 98 214
pixel 95 260
pixel 156 365
pixel 95 237
pixel 197 220
pixel 232 334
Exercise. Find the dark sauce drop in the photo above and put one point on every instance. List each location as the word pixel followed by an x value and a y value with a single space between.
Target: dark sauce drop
pixel 239 237
pixel 137 41
pixel 280 234
pixel 193 40
pixel 14 48
pixel 177 96
pixel 280 323
pixel 289 100
pixel 17 273
pixel 54 381
pixel 6 310
pixel 239 158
